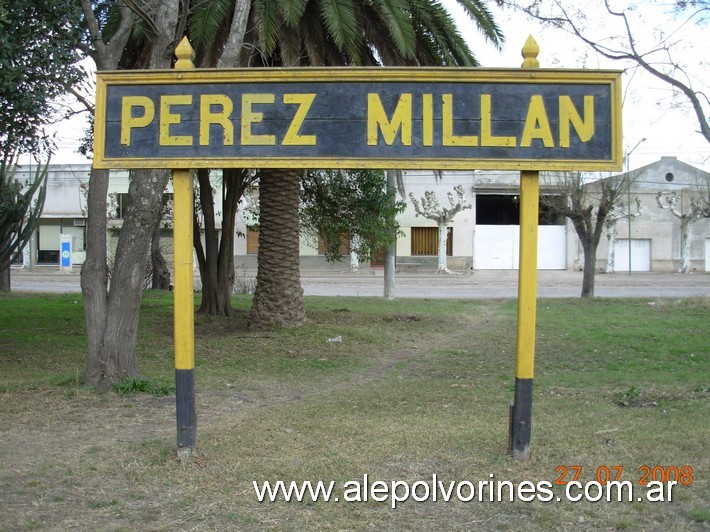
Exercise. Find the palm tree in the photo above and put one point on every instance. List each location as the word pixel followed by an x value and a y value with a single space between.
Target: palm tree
pixel 362 33
pixel 336 33
pixel 318 33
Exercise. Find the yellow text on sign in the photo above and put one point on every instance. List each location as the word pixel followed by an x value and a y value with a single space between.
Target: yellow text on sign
pixel 380 126
pixel 215 110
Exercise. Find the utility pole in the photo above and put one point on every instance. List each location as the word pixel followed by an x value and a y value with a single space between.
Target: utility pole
pixel 628 195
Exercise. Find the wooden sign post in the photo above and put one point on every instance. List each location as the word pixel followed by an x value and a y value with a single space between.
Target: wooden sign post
pixel 521 408
pixel 526 119
pixel 184 297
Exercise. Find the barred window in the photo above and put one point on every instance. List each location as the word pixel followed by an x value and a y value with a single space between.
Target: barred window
pixel 344 246
pixel 253 240
pixel 425 241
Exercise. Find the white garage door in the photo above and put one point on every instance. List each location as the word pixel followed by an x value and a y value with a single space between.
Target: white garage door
pixel 551 247
pixel 640 255
pixel 707 254
pixel 497 247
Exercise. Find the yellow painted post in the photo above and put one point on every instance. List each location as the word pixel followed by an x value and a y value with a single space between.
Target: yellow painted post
pixel 521 409
pixel 527 274
pixel 184 299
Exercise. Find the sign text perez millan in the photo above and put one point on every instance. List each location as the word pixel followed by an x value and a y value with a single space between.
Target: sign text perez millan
pixel 346 118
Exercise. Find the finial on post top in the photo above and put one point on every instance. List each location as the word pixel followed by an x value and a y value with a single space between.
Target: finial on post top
pixel 185 54
pixel 529 52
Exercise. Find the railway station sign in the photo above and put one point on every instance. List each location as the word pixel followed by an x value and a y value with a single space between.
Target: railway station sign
pixel 428 118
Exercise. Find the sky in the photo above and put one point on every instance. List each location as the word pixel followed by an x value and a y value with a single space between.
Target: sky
pixel 650 111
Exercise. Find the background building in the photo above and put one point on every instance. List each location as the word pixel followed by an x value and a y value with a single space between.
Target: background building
pixel 64 213
pixel 656 233
pixel 483 237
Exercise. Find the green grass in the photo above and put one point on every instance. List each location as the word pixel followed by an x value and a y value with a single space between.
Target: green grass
pixel 624 343
pixel 138 385
pixel 415 388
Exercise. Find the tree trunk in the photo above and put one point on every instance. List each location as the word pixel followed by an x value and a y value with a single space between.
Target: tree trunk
pixel 160 272
pixel 94 271
pixel 685 224
pixel 94 274
pixel 590 260
pixel 391 250
pixel 442 266
pixel 216 261
pixel 236 182
pixel 5 277
pixel 5 243
pixel 116 359
pixel 207 256
pixel 354 259
pixel 112 316
pixel 589 235
pixel 233 47
pixel 611 248
pixel 278 298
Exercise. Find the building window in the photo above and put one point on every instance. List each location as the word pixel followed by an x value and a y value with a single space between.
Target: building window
pixel 497 209
pixel 45 256
pixel 253 240
pixel 669 177
pixel 344 246
pixel 425 241
pixel 122 206
pixel 504 209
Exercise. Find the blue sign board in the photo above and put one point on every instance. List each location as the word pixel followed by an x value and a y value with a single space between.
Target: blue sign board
pixel 377 118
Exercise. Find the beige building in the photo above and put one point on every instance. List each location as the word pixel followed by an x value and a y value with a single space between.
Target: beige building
pixel 656 233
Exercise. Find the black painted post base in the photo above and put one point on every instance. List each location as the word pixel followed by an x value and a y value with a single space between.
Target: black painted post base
pixel 520 419
pixel 185 412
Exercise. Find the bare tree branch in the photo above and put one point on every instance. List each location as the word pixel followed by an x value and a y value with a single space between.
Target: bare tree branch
pixel 572 24
pixel 587 205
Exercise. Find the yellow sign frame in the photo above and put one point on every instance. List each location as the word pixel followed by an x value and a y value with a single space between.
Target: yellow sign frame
pixel 612 78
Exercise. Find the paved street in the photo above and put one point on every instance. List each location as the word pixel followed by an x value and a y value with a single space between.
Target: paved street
pixel 493 284
pixel 482 284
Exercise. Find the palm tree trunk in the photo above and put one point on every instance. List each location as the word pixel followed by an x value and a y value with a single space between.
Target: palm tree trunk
pixel 278 298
